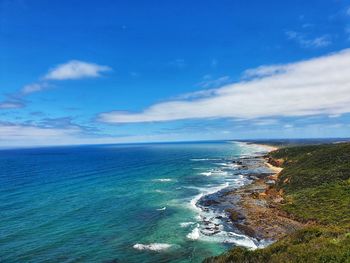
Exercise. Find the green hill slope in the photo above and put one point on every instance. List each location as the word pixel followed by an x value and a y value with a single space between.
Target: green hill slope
pixel 316 186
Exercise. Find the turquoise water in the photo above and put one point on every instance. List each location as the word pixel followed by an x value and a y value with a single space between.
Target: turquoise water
pixel 114 203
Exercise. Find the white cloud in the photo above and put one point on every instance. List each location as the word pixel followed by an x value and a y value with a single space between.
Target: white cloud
pixel 311 87
pixel 197 94
pixel 264 71
pixel 265 122
pixel 19 135
pixel 10 105
pixel 27 135
pixel 209 82
pixel 73 69
pixel 35 87
pixel 9 130
pixel 300 38
pixel 76 69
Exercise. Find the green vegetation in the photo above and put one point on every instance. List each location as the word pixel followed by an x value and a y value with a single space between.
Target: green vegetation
pixel 326 204
pixel 312 244
pixel 312 166
pixel 316 185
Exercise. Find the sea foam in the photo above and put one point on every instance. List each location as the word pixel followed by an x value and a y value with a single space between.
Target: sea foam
pixel 153 246
pixel 163 180
pixel 194 234
pixel 186 224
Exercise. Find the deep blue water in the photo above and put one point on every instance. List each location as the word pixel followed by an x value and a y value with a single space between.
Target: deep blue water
pixel 122 203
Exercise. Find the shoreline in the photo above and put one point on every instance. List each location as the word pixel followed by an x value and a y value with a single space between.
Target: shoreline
pixel 215 221
pixel 301 213
pixel 257 214
pixel 269 148
pixel 251 210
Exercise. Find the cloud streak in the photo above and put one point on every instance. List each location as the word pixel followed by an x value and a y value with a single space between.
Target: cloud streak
pixel 71 70
pixel 28 135
pixel 318 42
pixel 312 87
pixel 76 69
pixel 10 105
pixel 32 88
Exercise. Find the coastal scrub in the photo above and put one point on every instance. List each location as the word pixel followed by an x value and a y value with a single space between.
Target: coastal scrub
pixel 315 182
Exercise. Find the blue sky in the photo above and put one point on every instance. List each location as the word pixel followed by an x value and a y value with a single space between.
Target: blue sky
pixel 75 72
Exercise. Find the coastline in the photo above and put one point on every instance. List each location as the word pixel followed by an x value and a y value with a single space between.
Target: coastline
pixel 221 214
pixel 255 212
pixel 302 218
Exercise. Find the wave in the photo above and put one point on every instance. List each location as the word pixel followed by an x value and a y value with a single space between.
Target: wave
pixel 205 191
pixel 215 172
pixel 186 224
pixel 163 180
pixel 159 191
pixel 153 246
pixel 209 226
pixel 229 165
pixel 194 235
pixel 222 237
pixel 204 159
pixel 193 202
pixel 211 223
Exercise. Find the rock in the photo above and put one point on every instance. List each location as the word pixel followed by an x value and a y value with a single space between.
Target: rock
pixel 262 195
pixel 275 162
pixel 270 182
pixel 209 232
pixel 209 202
pixel 234 215
pixel 246 230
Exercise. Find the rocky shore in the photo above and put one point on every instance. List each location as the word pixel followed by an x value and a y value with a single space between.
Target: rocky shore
pixel 255 210
pixel 251 210
pixel 313 189
pixel 256 213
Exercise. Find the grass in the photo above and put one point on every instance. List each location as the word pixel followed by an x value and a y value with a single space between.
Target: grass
pixel 326 204
pixel 308 245
pixel 316 185
pixel 311 166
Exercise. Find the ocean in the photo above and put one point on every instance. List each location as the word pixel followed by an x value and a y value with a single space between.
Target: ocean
pixel 118 203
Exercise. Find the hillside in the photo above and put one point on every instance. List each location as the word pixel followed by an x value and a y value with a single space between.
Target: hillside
pixel 315 184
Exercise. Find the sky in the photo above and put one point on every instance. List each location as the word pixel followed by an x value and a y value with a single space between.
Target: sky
pixel 94 72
